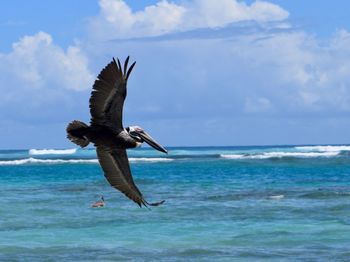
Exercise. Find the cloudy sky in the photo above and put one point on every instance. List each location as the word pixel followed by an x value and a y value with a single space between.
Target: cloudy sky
pixel 224 72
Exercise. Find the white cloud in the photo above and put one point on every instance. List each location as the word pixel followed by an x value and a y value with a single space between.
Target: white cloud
pixel 306 72
pixel 208 13
pixel 39 80
pixel 117 20
pixel 284 73
pixel 37 63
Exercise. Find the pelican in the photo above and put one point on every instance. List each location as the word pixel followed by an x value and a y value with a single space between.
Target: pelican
pixel 107 133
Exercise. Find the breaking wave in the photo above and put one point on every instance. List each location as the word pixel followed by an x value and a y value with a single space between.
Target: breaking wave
pixel 323 148
pixel 88 156
pixel 267 155
pixel 46 161
pixel 32 160
pixel 52 151
pixel 150 159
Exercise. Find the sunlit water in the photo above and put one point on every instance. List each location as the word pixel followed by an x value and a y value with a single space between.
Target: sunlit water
pixel 222 204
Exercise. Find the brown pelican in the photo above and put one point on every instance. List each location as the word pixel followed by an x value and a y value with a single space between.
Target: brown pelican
pixel 107 133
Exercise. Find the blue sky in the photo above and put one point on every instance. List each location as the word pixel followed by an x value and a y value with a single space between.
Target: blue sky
pixel 223 72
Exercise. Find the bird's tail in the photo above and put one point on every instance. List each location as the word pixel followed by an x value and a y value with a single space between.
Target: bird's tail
pixel 75 133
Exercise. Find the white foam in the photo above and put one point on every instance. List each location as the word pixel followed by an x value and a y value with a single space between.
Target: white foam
pixel 276 197
pixel 151 159
pixel 52 151
pixel 32 160
pixel 267 155
pixel 232 156
pixel 323 148
pixel 298 154
pixel 46 161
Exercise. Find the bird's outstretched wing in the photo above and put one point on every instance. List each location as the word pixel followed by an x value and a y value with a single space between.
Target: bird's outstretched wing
pixel 115 165
pixel 108 95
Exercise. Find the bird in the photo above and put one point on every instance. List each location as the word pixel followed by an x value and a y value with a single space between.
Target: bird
pixel 100 203
pixel 106 131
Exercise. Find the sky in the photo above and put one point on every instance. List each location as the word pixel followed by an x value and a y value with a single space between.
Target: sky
pixel 224 72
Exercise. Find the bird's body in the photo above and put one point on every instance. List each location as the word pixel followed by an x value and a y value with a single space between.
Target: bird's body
pixel 104 136
pixel 107 133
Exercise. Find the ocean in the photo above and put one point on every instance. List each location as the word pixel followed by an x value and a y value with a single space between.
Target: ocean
pixel 270 203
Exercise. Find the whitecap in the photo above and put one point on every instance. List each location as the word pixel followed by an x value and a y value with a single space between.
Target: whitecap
pixel 232 156
pixel 46 161
pixel 297 154
pixel 267 155
pixel 150 159
pixel 276 197
pixel 52 151
pixel 323 148
pixel 32 160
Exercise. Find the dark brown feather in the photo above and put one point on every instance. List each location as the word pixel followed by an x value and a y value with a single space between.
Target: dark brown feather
pixel 108 95
pixel 129 71
pixel 115 165
pixel 126 64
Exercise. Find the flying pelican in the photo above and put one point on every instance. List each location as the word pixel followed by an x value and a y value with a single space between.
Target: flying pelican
pixel 107 133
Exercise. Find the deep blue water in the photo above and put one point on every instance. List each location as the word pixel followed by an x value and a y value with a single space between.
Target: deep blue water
pixel 222 204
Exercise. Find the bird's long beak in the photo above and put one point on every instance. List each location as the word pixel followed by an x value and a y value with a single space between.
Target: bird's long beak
pixel 153 143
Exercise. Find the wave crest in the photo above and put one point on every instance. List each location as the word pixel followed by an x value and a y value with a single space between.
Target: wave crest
pixel 323 148
pixel 52 151
pixel 267 155
pixel 32 160
pixel 151 159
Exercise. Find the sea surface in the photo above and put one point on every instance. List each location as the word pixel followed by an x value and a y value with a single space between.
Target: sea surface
pixel 272 203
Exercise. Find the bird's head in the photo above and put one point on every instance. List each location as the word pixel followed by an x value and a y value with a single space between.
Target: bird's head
pixel 141 136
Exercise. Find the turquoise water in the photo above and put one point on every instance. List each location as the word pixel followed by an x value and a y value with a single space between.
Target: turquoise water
pixel 222 204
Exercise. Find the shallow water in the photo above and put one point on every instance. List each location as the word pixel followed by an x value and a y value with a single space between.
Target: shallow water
pixel 264 203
